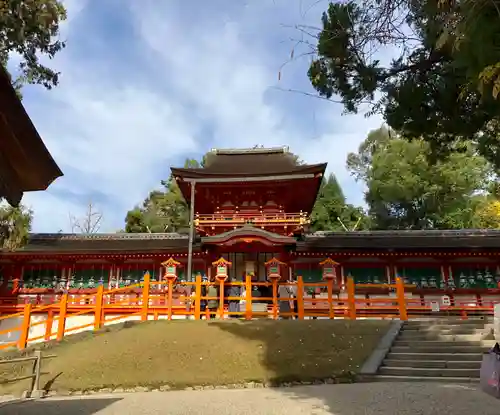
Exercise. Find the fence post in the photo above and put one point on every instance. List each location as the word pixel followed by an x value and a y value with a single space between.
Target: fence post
pixel 98 307
pixel 221 299
pixel 48 324
pixel 197 298
pixel 61 321
pixel 400 293
pixel 300 298
pixel 248 297
pixel 275 298
pixel 331 310
pixel 351 299
pixel 25 327
pixel 170 286
pixel 145 297
pixel 37 369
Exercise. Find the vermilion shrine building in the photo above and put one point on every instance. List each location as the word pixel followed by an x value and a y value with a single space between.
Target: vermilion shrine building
pixel 250 206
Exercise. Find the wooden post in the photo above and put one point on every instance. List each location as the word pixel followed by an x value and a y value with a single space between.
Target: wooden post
pixel 300 298
pixel 145 297
pixel 248 297
pixel 61 321
pixel 221 299
pixel 400 292
pixel 197 298
pixel 275 298
pixel 25 328
pixel 351 299
pixel 48 325
pixel 98 308
pixel 169 299
pixel 331 309
pixel 37 372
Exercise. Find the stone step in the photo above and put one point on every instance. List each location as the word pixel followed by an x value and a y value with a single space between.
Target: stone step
pixel 439 343
pixel 447 357
pixel 457 364
pixel 447 320
pixel 429 372
pixel 445 328
pixel 442 348
pixel 418 336
pixel 389 378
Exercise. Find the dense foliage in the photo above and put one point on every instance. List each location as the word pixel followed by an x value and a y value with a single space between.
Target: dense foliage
pixel 15 225
pixel 443 82
pixel 331 211
pixel 163 210
pixel 30 29
pixel 406 191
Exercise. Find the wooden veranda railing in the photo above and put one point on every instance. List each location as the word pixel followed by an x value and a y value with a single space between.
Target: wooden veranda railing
pixel 154 300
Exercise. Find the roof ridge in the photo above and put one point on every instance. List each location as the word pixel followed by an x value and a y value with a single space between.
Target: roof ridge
pixel 254 150
pixel 106 236
pixel 409 233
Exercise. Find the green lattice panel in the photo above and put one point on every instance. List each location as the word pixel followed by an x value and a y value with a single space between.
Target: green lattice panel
pixel 422 277
pixel 473 277
pixel 366 275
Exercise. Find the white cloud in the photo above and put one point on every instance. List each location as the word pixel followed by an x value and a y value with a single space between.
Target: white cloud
pixel 202 84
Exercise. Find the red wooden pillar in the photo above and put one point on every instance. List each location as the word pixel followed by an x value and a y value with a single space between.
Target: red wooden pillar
pixel 17 276
pixel 285 258
pixel 390 272
pixel 5 274
pixel 445 272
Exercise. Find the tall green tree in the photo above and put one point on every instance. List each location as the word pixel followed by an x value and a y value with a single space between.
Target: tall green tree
pixel 163 210
pixel 444 81
pixel 30 29
pixel 15 225
pixel 331 212
pixel 406 191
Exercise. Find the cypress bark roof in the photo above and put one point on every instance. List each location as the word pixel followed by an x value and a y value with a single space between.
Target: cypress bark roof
pixel 319 241
pixel 25 163
pixel 249 162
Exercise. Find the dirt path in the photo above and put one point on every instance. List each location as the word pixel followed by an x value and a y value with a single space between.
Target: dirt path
pixel 356 399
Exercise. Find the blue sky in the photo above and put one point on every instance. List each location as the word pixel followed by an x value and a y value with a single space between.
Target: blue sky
pixel 147 83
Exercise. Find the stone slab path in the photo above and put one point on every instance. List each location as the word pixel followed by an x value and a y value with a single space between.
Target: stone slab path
pixel 356 399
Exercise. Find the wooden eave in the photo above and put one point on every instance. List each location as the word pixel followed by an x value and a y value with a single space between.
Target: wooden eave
pixel 248 234
pixel 25 163
pixel 401 240
pixel 383 243
pixel 104 243
pixel 256 170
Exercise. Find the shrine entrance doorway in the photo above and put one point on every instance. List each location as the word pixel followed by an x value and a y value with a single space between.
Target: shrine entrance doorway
pixel 248 249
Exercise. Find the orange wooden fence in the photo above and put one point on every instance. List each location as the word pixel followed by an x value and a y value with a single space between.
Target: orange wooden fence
pixel 156 299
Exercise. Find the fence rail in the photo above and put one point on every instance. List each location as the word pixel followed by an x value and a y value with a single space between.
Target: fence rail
pixel 154 300
pixel 34 391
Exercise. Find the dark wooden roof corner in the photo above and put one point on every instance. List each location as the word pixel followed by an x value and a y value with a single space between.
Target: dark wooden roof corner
pixel 25 163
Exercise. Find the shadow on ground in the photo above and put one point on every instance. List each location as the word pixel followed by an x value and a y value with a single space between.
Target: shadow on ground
pixel 402 398
pixel 84 406
pixel 311 351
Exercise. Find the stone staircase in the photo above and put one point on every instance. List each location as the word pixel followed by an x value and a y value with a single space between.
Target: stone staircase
pixel 441 349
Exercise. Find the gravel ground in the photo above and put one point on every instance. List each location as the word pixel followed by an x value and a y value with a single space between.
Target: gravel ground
pixel 354 399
